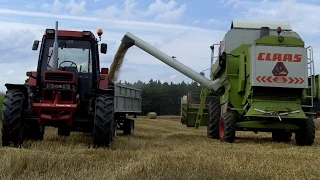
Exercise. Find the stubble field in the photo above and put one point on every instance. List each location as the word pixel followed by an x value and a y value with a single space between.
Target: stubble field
pixel 161 149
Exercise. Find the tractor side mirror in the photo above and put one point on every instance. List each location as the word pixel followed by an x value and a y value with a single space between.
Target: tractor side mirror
pixel 35 45
pixel 103 48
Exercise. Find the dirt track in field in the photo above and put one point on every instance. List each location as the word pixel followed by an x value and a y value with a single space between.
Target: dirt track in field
pixel 161 149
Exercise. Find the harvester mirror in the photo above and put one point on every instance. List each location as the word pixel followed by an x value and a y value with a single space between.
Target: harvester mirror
pixel 35 45
pixel 103 48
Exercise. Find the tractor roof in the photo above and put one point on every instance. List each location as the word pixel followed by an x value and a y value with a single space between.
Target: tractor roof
pixel 68 33
pixel 257 24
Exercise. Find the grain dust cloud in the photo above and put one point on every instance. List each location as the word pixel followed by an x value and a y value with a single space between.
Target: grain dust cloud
pixel 117 62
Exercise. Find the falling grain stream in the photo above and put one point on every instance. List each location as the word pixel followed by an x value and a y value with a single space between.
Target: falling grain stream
pixel 117 62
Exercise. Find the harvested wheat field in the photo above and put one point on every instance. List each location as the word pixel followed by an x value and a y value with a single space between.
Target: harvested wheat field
pixel 161 149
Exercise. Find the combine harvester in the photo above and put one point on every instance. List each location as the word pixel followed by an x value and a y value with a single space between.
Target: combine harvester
pixel 70 92
pixel 265 78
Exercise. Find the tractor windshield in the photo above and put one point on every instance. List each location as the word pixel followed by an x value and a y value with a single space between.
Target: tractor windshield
pixel 71 53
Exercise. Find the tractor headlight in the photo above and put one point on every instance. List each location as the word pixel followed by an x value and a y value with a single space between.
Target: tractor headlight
pixel 66 86
pixel 49 85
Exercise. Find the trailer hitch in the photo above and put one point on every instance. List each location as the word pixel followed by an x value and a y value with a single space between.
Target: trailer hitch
pixel 276 113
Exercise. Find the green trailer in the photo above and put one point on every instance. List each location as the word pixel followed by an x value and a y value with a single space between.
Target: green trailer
pixel 190 106
pixel 266 80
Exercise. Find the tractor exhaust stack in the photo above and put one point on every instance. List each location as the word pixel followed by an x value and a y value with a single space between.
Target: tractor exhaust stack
pixel 130 40
pixel 55 49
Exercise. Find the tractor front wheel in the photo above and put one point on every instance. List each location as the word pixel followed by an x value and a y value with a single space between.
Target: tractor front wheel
pixel 103 130
pixel 214 118
pixel 227 127
pixel 12 118
pixel 64 131
pixel 34 131
pixel 306 133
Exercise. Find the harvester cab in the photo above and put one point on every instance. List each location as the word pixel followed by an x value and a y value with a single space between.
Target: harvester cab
pixel 265 78
pixel 68 91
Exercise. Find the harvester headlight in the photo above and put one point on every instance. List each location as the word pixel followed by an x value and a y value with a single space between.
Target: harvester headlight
pixel 49 85
pixel 66 86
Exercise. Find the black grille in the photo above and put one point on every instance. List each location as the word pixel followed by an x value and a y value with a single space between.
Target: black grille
pixel 51 76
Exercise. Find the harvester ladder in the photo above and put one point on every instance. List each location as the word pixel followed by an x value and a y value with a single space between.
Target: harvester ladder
pixel 311 76
pixel 203 98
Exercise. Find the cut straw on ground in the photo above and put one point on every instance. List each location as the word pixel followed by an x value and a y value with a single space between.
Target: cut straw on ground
pixel 161 149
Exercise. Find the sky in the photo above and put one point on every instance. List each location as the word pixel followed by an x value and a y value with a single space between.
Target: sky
pixel 184 29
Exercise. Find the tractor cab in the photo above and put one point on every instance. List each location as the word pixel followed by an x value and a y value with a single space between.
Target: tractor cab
pixel 77 63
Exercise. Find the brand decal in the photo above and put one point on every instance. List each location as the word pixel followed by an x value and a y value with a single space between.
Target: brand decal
pixel 280 70
pixel 63 105
pixel 262 56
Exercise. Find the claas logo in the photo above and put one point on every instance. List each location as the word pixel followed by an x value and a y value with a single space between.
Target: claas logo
pixel 279 57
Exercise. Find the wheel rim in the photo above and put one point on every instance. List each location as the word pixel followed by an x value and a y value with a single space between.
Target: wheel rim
pixel 221 129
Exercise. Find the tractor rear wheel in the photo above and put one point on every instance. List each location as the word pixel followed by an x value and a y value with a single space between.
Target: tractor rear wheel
pixel 227 127
pixel 103 130
pixel 281 136
pixel 13 118
pixel 306 133
pixel 128 126
pixel 214 118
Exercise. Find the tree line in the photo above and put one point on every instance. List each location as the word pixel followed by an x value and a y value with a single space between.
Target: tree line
pixel 163 98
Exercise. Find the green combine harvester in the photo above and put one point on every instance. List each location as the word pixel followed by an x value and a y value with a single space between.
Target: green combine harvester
pixel 265 78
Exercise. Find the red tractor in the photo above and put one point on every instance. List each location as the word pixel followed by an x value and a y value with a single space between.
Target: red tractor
pixel 68 91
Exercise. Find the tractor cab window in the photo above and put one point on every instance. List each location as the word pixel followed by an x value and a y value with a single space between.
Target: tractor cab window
pixel 74 54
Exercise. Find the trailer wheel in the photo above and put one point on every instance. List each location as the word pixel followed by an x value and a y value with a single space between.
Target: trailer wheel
pixel 227 127
pixel 34 131
pixel 306 133
pixel 103 121
pixel 128 127
pixel 214 118
pixel 281 136
pixel 13 119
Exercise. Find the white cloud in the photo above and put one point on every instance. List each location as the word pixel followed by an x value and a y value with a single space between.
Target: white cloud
pixel 55 7
pixel 212 21
pixel 189 44
pixel 159 11
pixel 303 17
pixel 166 37
pixel 172 16
pixel 76 8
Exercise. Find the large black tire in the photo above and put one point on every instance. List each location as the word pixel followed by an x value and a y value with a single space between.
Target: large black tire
pixel 281 136
pixel 214 118
pixel 13 119
pixel 227 127
pixel 103 130
pixel 34 131
pixel 306 133
pixel 128 127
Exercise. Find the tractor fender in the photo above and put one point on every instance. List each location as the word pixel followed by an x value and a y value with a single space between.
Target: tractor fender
pixel 21 87
pixel 16 86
